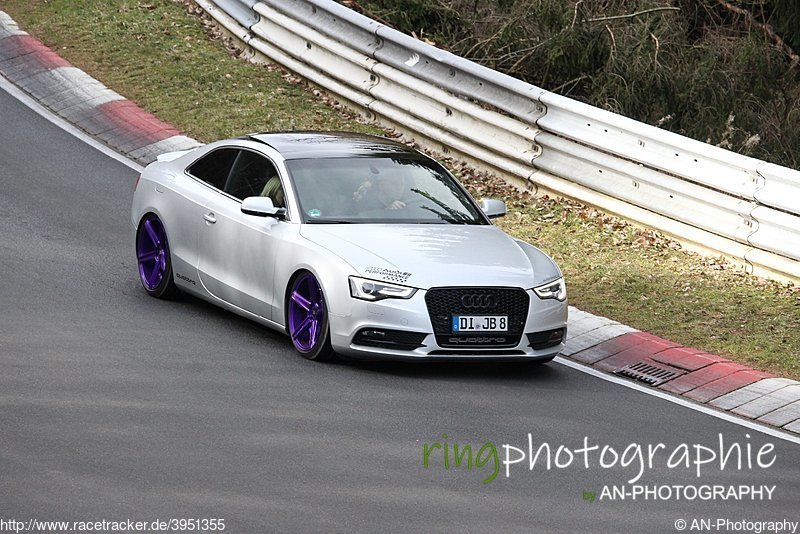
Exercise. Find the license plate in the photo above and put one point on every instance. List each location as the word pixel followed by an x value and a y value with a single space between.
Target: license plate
pixel 480 323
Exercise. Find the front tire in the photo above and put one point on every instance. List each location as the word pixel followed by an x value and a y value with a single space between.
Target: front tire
pixel 308 319
pixel 155 263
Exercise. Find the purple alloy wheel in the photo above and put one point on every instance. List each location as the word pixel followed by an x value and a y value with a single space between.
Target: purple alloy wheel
pixel 306 313
pixel 151 250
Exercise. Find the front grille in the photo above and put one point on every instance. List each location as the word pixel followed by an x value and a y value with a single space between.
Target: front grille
pixel 445 302
pixel 389 339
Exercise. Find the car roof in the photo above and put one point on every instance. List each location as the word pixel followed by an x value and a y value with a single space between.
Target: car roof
pixel 299 145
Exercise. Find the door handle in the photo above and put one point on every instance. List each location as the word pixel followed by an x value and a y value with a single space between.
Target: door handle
pixel 210 218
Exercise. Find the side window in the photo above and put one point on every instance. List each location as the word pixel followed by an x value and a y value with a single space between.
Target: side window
pixel 252 175
pixel 214 167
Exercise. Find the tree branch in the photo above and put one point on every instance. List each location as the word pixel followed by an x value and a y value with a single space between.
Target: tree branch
pixel 613 44
pixel 655 56
pixel 632 15
pixel 575 14
pixel 766 28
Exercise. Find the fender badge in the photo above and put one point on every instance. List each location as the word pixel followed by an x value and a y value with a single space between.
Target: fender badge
pixel 392 275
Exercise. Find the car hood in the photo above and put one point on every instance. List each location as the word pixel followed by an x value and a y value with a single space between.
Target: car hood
pixel 426 256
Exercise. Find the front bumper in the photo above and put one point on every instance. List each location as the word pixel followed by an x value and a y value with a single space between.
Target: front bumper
pixel 411 316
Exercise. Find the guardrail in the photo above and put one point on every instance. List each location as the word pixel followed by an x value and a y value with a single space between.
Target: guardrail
pixel 707 197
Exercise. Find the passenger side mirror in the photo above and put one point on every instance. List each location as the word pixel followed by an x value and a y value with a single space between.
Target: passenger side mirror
pixel 493 208
pixel 262 207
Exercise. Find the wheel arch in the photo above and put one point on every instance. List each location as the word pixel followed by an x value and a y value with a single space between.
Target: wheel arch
pixel 330 270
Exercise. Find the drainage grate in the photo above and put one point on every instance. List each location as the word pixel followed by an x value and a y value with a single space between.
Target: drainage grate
pixel 650 372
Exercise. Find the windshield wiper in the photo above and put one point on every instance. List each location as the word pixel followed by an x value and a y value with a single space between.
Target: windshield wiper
pixel 328 221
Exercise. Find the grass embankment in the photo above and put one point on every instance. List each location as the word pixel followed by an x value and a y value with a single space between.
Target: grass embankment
pixel 176 67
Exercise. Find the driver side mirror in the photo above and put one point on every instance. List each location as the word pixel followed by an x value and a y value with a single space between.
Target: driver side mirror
pixel 493 208
pixel 262 207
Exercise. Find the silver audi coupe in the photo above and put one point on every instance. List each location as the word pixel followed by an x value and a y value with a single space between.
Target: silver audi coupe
pixel 353 245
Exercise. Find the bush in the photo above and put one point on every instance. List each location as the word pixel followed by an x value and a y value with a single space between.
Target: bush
pixel 695 67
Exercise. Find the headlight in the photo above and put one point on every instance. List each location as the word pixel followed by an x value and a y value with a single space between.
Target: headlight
pixel 552 290
pixel 364 289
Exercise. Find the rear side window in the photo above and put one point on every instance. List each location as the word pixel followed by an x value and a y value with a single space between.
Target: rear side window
pixel 214 167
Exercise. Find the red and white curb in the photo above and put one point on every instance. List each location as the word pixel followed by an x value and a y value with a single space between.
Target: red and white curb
pixel 83 101
pixel 705 378
pixel 594 341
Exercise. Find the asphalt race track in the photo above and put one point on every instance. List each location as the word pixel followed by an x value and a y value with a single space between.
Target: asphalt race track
pixel 118 406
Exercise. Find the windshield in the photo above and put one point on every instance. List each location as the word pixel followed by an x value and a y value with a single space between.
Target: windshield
pixel 380 190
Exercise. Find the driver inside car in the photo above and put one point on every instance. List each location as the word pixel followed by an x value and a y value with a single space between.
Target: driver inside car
pixel 385 192
pixel 274 190
pixel 389 192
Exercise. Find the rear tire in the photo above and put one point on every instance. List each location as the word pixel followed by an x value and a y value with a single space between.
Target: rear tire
pixel 155 263
pixel 307 319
